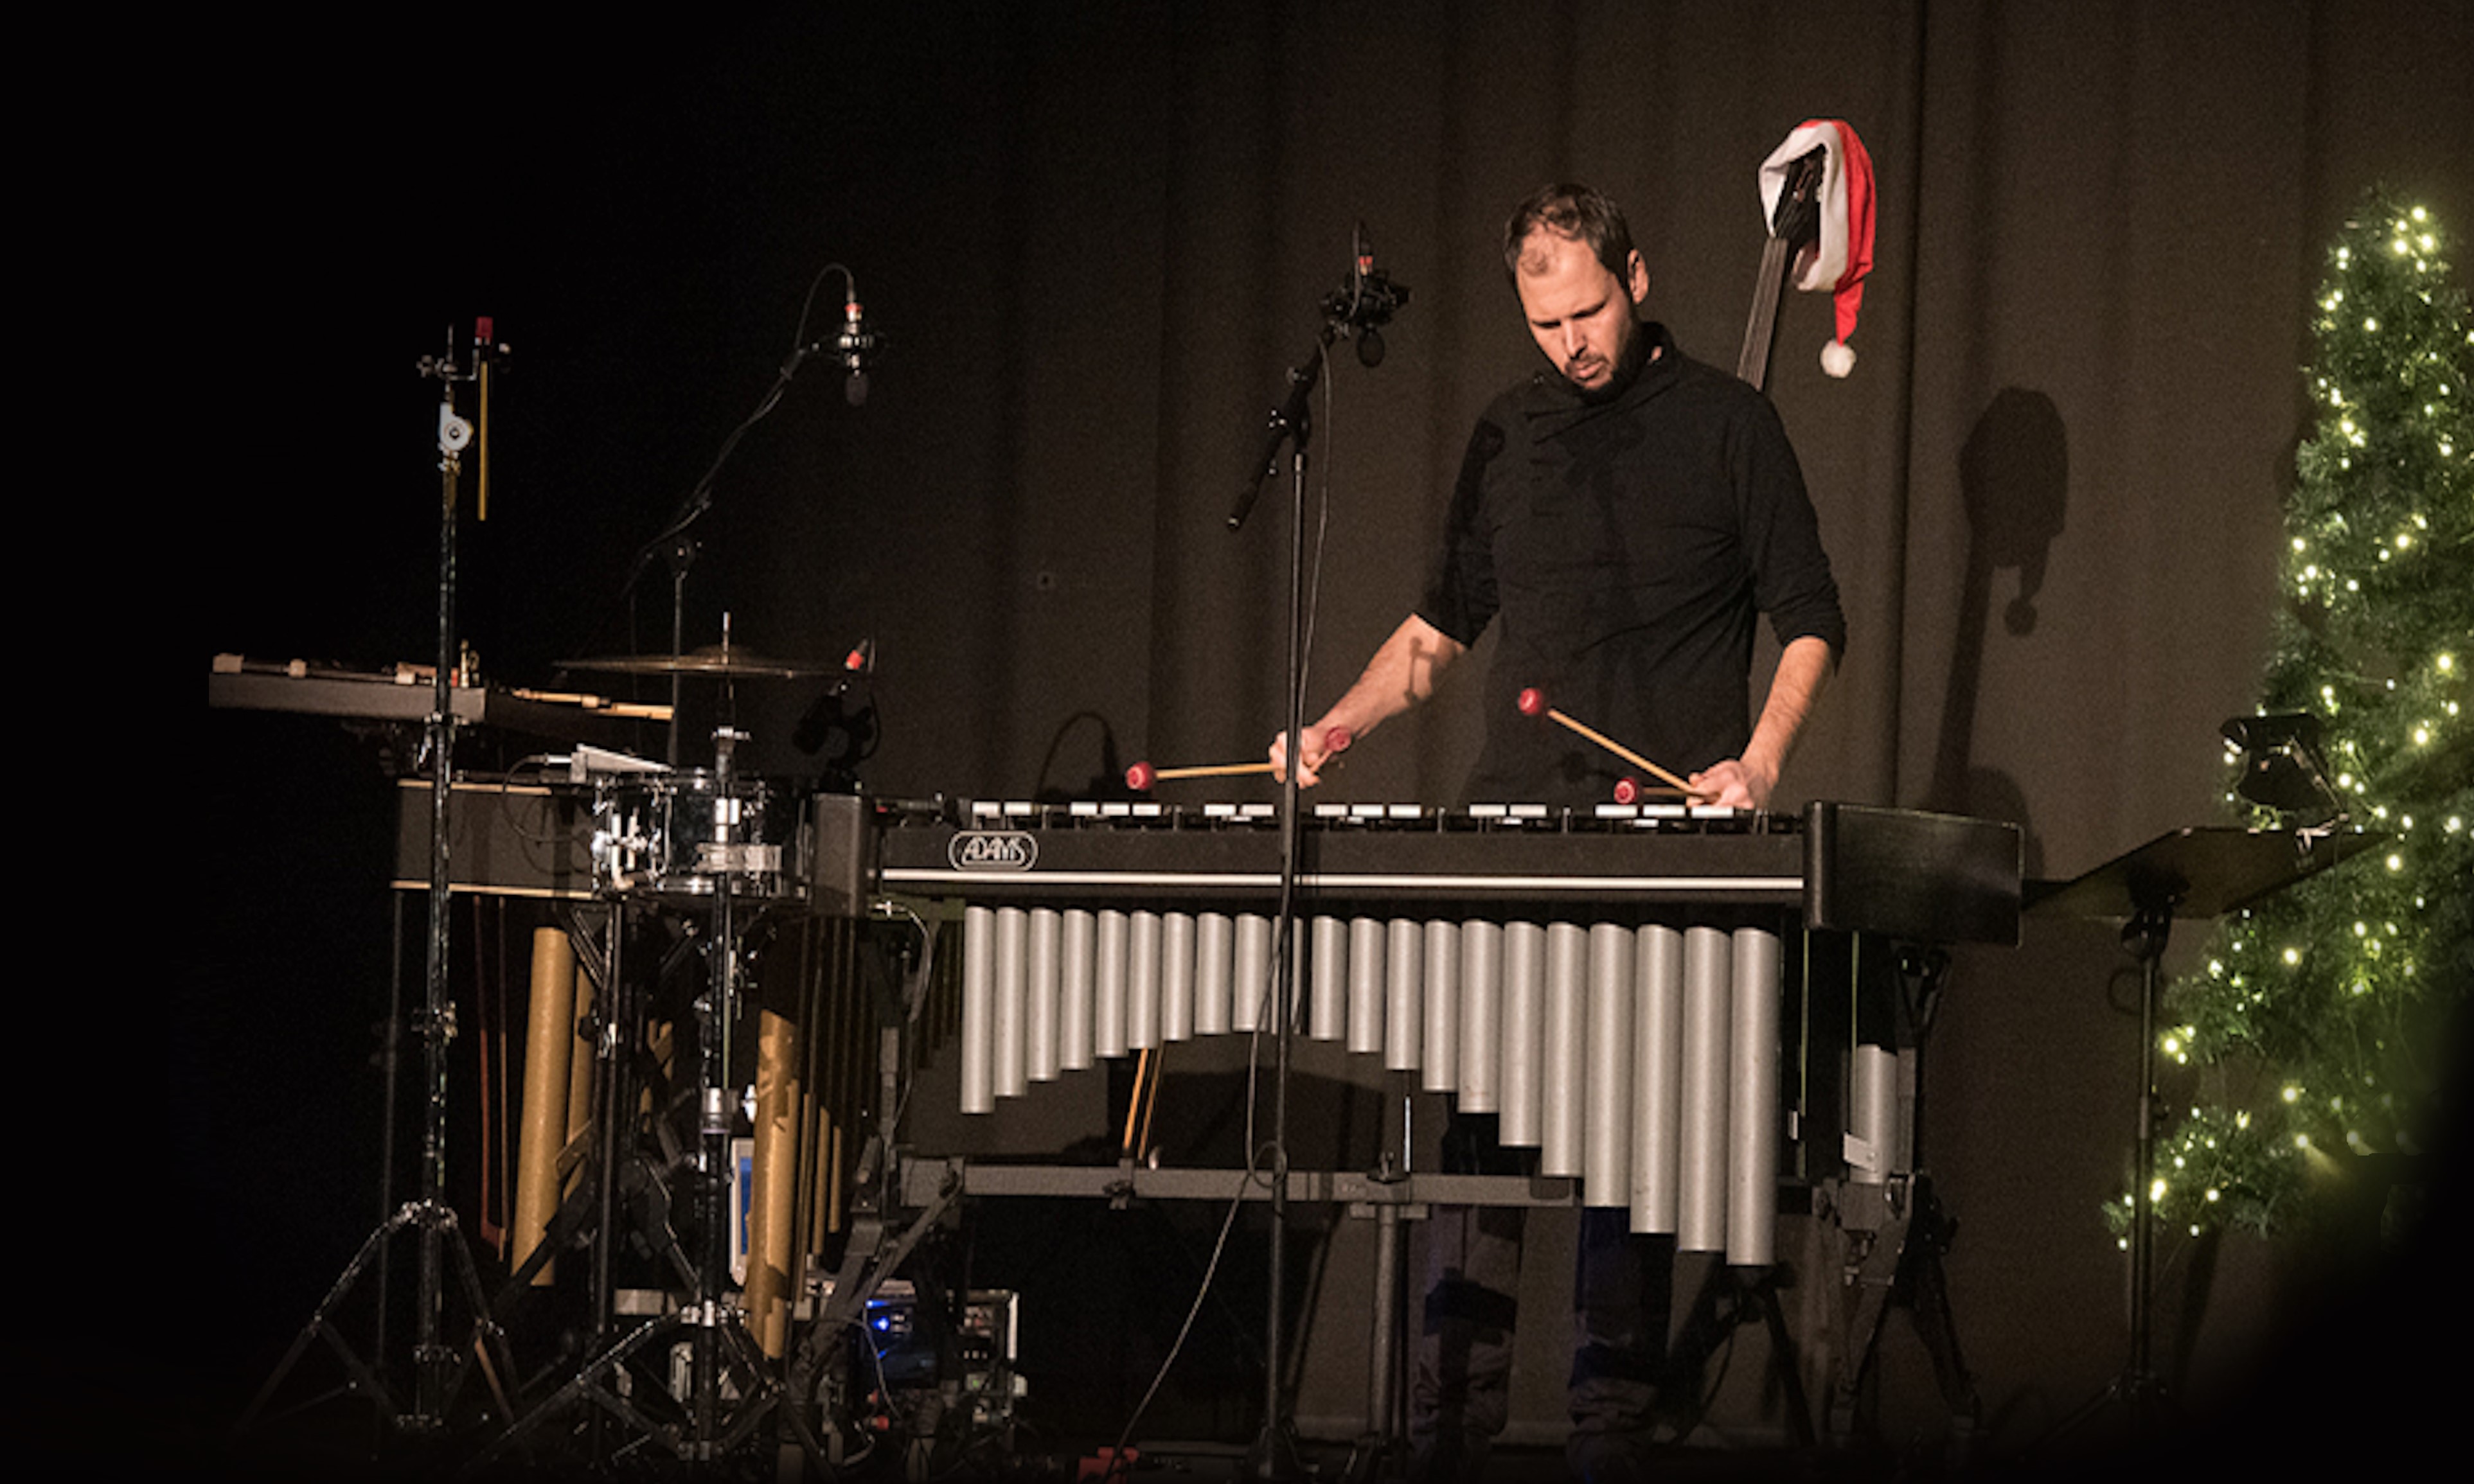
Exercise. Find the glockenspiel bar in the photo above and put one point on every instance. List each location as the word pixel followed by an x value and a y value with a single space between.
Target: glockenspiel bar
pixel 1606 1156
pixel 1077 974
pixel 1143 980
pixel 1073 993
pixel 1250 984
pixel 1013 1019
pixel 979 1009
pixel 1177 976
pixel 1657 1077
pixel 1701 1157
pixel 1442 1057
pixel 1214 956
pixel 1327 999
pixel 1524 1029
pixel 1753 1071
pixel 1563 1084
pixel 1481 1014
pixel 1405 985
pixel 1366 937
pixel 1109 1018
pixel 1044 1009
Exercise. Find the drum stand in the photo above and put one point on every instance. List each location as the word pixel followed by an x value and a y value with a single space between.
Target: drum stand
pixel 437 1369
pixel 722 1352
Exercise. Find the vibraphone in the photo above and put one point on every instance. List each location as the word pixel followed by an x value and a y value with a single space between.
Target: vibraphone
pixel 1607 982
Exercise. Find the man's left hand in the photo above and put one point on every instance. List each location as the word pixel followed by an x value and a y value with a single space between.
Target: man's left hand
pixel 1734 785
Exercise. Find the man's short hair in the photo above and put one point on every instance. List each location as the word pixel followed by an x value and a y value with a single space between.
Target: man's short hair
pixel 1573 212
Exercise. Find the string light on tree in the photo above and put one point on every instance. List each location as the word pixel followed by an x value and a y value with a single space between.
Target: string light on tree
pixel 2315 1032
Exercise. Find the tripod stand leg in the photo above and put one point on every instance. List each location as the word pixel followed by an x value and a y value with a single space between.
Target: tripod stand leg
pixel 489 1348
pixel 362 1378
pixel 1873 1221
pixel 442 1370
pixel 1928 1288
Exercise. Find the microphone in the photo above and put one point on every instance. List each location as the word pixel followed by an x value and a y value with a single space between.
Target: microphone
pixel 1365 299
pixel 855 345
pixel 1364 303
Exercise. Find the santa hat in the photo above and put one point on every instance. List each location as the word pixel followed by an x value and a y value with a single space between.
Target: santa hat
pixel 1844 253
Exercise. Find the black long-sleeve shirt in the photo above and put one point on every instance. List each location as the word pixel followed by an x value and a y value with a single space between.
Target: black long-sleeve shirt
pixel 1623 544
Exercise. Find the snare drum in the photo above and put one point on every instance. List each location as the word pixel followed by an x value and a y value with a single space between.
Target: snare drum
pixel 680 835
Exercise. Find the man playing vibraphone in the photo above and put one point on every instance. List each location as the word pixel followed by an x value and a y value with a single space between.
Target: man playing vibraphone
pixel 1621 519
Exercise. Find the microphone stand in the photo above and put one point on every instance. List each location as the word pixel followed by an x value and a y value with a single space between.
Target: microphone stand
pixel 856 343
pixel 1360 305
pixel 1273 1456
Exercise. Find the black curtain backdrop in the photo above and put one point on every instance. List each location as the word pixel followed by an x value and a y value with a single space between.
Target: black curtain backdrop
pixel 1095 236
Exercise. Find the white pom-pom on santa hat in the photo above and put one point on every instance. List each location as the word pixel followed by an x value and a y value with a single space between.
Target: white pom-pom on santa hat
pixel 1843 254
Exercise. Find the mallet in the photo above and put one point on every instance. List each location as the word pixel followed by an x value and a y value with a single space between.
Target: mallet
pixel 1141 776
pixel 1533 702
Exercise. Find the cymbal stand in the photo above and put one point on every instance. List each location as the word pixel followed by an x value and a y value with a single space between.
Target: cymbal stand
pixel 437 1369
pixel 717 1011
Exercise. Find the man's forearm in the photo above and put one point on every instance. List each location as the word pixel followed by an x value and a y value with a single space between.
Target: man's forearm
pixel 1802 670
pixel 1747 782
pixel 1402 673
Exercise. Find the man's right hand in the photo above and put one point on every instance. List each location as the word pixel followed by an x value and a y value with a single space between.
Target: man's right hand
pixel 1323 742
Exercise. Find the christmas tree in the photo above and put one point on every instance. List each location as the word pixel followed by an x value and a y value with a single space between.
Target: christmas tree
pixel 2319 1023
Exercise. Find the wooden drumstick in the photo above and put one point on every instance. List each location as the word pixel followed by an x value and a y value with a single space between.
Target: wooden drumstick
pixel 1141 776
pixel 1533 702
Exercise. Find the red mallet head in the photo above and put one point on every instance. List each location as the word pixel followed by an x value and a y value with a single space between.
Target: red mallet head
pixel 1140 777
pixel 1336 739
pixel 1532 701
pixel 1627 790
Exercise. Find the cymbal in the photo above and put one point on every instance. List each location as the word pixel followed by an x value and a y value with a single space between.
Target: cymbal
pixel 724 659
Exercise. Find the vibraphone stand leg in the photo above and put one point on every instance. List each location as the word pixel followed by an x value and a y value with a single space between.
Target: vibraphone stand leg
pixel 1382 1448
pixel 1731 1297
pixel 1898 1232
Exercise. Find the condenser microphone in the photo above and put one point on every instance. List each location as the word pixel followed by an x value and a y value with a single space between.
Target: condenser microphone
pixel 1365 301
pixel 855 345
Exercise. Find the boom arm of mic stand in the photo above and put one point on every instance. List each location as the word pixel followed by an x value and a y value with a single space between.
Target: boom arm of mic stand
pixel 1291 419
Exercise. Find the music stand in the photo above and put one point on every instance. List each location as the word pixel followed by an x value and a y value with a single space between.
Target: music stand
pixel 2196 872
